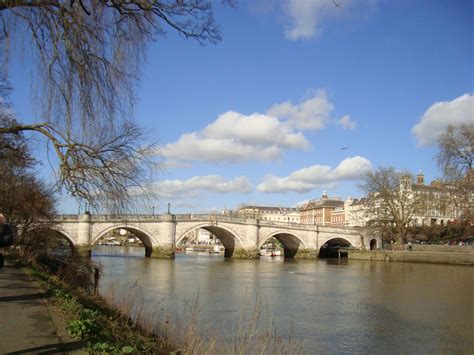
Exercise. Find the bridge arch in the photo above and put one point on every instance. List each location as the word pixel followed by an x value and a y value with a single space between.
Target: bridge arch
pixel 62 236
pixel 329 248
pixel 338 240
pixel 140 233
pixel 229 238
pixel 373 244
pixel 290 241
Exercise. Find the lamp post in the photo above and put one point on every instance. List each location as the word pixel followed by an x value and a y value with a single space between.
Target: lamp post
pixel 169 205
pixel 153 210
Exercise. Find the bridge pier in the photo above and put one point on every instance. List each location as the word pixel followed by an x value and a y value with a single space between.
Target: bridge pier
pixel 84 229
pixel 306 254
pixel 249 248
pixel 83 250
pixel 166 247
pixel 242 253
pixel 162 252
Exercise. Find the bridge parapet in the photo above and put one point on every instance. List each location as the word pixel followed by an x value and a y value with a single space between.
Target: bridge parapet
pixel 209 217
pixel 131 217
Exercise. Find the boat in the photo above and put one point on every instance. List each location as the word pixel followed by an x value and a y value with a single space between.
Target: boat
pixel 216 250
pixel 270 251
pixel 112 241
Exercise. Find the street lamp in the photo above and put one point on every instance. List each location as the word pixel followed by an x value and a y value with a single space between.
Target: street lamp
pixel 153 210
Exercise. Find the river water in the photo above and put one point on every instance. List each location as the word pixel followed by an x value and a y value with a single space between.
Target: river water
pixel 330 306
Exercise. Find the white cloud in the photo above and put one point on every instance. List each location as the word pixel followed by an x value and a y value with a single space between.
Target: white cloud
pixel 197 185
pixel 310 114
pixel 195 147
pixel 236 137
pixel 440 115
pixel 347 123
pixel 315 176
pixel 255 129
pixel 306 17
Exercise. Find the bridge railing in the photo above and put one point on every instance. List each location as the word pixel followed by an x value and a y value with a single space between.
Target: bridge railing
pixel 209 217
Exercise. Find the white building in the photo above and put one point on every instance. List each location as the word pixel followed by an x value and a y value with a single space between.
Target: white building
pixel 440 204
pixel 269 213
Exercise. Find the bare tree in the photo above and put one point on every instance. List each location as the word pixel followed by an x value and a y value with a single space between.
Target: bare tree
pixel 27 203
pixel 88 56
pixel 392 202
pixel 456 151
pixel 455 159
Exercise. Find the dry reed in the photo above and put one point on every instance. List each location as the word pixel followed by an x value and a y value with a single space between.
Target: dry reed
pixel 180 330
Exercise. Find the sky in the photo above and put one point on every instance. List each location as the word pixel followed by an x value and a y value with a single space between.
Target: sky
pixel 300 97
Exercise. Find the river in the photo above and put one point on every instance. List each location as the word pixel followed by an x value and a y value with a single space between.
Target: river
pixel 330 306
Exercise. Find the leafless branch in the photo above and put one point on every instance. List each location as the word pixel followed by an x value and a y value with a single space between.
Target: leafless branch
pixel 89 54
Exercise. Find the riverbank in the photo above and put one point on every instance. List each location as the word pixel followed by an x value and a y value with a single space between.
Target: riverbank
pixel 452 257
pixel 40 313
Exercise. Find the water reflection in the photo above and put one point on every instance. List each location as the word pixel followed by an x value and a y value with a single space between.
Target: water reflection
pixel 332 305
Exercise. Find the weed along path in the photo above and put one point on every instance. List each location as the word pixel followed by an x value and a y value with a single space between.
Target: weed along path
pixel 28 322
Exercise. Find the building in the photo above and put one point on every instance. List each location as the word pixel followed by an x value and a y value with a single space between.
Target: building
pixel 438 203
pixel 441 203
pixel 357 212
pixel 338 217
pixel 319 211
pixel 269 213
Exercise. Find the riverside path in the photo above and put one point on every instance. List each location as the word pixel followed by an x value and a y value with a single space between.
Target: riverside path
pixel 28 322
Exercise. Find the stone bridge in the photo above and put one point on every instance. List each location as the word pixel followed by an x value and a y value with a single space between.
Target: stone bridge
pixel 242 238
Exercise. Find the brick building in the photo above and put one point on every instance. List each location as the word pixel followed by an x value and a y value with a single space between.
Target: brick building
pixel 319 211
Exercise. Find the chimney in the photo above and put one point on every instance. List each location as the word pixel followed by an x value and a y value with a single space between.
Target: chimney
pixel 420 178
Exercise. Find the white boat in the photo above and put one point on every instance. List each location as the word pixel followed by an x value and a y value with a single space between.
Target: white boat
pixel 267 252
pixel 216 250
pixel 112 242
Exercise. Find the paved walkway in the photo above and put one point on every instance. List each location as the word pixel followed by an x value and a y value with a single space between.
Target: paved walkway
pixel 28 322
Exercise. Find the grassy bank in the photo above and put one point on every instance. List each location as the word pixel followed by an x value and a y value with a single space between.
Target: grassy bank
pixel 433 257
pixel 103 328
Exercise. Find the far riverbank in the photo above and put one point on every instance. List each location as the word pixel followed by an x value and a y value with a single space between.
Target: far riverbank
pixel 433 255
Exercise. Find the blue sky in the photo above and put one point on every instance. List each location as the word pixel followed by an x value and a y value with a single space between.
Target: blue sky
pixel 262 117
